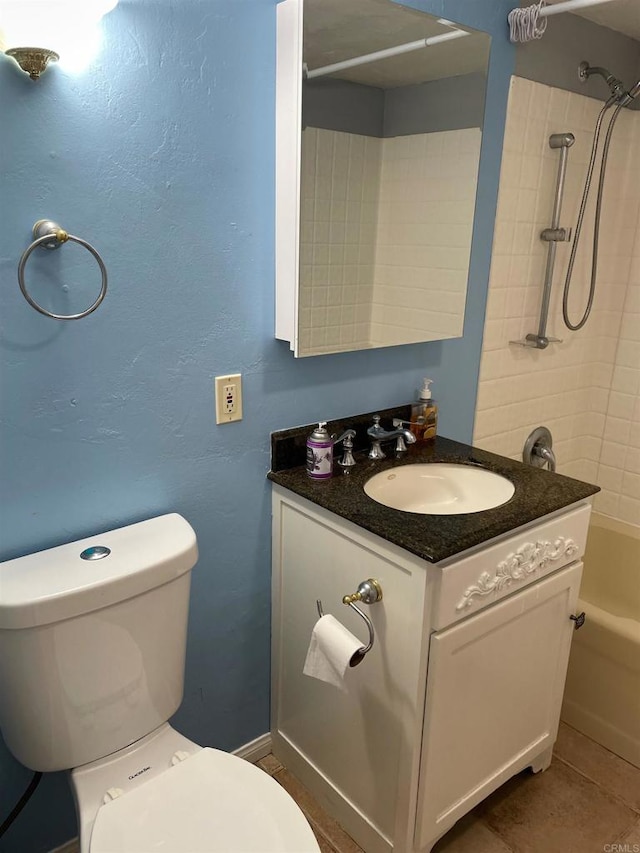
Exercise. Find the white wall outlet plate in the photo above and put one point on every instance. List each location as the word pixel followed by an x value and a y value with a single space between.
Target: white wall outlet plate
pixel 228 398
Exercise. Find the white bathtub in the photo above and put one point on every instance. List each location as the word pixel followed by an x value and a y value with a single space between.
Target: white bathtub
pixel 602 695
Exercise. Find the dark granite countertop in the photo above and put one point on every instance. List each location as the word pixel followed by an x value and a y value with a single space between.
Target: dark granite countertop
pixel 431 537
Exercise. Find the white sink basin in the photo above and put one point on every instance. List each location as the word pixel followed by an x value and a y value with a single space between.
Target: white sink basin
pixel 439 488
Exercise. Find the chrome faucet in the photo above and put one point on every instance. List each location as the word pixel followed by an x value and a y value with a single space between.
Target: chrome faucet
pixel 377 435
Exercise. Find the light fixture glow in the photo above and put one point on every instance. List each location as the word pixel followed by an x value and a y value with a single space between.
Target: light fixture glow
pixel 36 32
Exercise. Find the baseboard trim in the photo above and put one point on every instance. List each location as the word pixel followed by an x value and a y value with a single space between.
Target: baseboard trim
pixel 255 749
pixel 601 731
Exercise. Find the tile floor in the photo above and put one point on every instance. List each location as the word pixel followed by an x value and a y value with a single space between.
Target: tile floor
pixel 588 801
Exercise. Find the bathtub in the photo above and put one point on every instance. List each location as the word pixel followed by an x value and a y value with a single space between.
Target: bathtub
pixel 602 695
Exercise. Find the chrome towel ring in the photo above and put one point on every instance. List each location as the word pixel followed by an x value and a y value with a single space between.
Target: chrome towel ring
pixel 49 235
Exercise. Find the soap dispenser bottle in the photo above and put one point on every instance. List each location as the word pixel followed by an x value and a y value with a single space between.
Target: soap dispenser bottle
pixel 424 414
pixel 320 453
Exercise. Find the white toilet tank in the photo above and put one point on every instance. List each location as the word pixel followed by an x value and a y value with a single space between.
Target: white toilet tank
pixel 92 642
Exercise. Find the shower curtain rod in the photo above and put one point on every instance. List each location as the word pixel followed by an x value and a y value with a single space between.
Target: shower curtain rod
pixel 384 54
pixel 569 6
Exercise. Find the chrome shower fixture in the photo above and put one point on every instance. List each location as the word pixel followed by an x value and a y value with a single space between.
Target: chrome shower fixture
pixel 618 91
pixel 620 98
pixel 629 96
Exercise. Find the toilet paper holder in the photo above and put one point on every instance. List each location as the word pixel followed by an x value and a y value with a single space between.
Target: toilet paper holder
pixel 368 592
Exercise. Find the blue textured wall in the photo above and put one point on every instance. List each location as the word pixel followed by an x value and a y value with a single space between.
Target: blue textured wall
pixel 163 156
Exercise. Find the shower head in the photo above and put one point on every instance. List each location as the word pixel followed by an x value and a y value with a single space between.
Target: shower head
pixel 629 96
pixel 619 95
pixel 615 85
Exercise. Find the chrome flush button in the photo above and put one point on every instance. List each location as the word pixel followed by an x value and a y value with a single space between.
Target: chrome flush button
pixel 96 552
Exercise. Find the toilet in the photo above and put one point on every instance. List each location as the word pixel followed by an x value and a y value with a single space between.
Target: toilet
pixel 92 652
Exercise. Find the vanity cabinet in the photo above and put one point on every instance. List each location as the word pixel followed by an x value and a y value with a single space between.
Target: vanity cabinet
pixel 461 690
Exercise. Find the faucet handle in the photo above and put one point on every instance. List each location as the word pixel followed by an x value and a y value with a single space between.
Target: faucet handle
pixel 398 423
pixel 376 433
pixel 346 437
pixel 375 429
pixel 538 450
pixel 347 462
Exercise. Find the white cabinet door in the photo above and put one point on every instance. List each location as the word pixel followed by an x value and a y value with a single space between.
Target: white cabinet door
pixel 494 690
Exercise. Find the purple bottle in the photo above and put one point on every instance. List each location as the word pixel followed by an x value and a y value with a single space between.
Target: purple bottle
pixel 320 453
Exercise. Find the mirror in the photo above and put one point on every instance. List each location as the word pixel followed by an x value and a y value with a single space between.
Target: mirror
pixel 377 165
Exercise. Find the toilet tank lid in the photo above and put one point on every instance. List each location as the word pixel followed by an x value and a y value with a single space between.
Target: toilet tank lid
pixel 58 583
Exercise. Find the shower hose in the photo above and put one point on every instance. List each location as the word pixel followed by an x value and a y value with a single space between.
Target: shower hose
pixel 596 227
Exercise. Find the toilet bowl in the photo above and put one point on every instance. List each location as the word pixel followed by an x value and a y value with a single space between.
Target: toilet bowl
pixel 92 649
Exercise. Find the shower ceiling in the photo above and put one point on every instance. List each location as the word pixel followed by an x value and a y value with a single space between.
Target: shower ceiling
pixel 623 15
pixel 336 30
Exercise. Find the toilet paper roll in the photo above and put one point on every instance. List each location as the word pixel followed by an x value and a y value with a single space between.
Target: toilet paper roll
pixel 332 650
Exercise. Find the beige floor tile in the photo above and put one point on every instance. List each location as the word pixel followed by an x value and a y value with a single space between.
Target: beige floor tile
pixel 470 835
pixel 631 839
pixel 601 766
pixel 270 764
pixel 324 845
pixel 320 821
pixel 558 811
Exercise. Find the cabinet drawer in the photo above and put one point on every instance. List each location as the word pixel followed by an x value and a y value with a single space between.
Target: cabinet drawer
pixel 484 578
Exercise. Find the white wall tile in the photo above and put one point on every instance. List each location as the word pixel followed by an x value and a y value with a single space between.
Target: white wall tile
pixel 427 193
pixel 586 389
pixel 384 216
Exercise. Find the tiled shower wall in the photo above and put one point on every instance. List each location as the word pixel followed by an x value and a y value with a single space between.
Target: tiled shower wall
pixel 423 242
pixel 380 220
pixel 619 469
pixel 585 389
pixel 339 193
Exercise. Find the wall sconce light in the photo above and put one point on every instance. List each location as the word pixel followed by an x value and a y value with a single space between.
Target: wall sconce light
pixel 58 24
pixel 33 60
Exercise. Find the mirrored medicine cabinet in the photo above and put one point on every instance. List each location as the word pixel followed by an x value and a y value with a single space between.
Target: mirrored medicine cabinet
pixel 377 166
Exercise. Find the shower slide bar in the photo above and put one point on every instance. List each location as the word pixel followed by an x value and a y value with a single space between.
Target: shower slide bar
pixel 553 235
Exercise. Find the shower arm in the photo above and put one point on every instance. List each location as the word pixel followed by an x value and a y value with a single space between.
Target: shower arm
pixel 616 86
pixel 552 236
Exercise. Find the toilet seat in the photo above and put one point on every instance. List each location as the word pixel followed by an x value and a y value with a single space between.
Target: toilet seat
pixel 211 802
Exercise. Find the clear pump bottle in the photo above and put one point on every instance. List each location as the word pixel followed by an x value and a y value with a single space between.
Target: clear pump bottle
pixel 424 415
